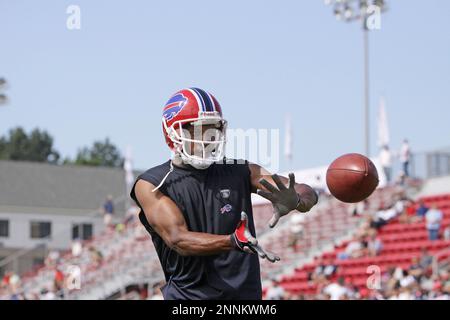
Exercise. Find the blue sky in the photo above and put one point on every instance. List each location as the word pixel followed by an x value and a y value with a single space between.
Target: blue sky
pixel 261 59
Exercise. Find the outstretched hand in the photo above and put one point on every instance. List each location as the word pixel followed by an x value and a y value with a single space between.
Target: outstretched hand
pixel 284 198
pixel 244 241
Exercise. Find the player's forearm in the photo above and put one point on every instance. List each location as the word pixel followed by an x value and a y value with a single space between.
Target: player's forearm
pixel 200 244
pixel 308 197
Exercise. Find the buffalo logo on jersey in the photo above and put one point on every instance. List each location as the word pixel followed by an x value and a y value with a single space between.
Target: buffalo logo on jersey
pixel 226 208
pixel 174 106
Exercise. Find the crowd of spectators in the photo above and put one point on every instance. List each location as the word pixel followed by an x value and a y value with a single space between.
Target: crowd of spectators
pixel 61 267
pixel 418 282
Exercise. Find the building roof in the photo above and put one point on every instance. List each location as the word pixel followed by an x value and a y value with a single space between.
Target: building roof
pixel 31 187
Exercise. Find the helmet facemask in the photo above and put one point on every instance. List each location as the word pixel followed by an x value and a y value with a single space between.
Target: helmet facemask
pixel 199 142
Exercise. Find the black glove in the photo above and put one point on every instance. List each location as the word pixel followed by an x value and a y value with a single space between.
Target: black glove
pixel 244 241
pixel 284 199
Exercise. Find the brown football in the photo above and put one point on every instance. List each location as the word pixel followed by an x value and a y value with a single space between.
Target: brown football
pixel 352 178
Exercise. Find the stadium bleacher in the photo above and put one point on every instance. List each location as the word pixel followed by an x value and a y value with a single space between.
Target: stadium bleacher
pixel 128 256
pixel 401 243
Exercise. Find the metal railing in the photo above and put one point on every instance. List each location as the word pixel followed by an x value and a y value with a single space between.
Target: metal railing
pixel 431 164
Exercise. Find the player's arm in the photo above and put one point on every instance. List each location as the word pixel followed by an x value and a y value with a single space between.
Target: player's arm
pixel 167 220
pixel 285 194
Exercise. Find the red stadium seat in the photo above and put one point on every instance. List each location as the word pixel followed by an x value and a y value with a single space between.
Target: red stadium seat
pixel 401 242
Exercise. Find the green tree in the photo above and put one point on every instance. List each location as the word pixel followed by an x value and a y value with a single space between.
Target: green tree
pixel 37 147
pixel 102 153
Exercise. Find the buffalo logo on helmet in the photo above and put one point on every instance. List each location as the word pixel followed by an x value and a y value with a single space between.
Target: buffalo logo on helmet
pixel 174 106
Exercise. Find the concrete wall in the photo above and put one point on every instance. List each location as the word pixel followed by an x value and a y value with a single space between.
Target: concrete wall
pixel 435 186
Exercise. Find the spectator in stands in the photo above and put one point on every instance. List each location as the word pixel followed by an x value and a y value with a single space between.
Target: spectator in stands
pixel 52 258
pixel 120 228
pixel 405 156
pixel 47 294
pixel 59 283
pixel 446 282
pixel 426 282
pixel 352 290
pixel 405 293
pixel 365 248
pixel 330 268
pixel 131 215
pixel 6 277
pixel 375 245
pixel 77 247
pixel 425 259
pixel 433 222
pixel 296 296
pixel 17 295
pixel 415 269
pixel 297 221
pixel 422 209
pixel 401 204
pixel 386 163
pixel 337 291
pixel 375 295
pixel 316 275
pixel 157 294
pixel 400 180
pixel 388 279
pixel 96 256
pixel 403 286
pixel 409 213
pixel 366 228
pixel 354 249
pixel 324 270
pixel 14 286
pixel 447 233
pixel 31 295
pixel 382 217
pixel 359 208
pixel 275 291
pixel 108 210
pixel 393 294
pixel 318 187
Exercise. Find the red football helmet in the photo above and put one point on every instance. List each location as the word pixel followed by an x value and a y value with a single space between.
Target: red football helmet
pixel 197 108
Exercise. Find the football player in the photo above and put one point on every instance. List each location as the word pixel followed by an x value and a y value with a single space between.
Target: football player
pixel 197 206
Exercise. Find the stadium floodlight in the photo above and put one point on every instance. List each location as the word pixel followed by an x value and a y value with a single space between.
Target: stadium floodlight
pixel 3 97
pixel 360 10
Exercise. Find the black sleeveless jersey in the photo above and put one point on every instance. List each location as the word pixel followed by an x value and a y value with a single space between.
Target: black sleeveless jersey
pixel 211 201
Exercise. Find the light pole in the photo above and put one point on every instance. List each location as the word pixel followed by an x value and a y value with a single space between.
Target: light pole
pixel 368 13
pixel 3 97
